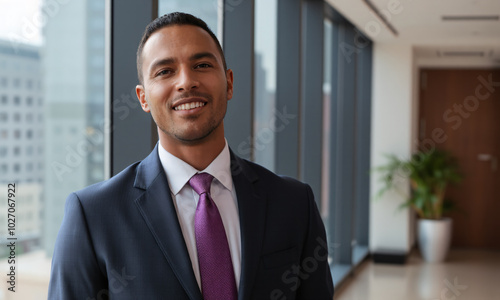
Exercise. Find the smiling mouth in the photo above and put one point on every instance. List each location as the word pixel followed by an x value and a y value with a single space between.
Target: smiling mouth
pixel 188 106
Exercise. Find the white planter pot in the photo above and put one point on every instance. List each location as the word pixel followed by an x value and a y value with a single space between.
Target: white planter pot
pixel 434 237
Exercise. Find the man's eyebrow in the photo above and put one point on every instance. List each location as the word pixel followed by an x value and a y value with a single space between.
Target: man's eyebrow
pixel 167 61
pixel 201 55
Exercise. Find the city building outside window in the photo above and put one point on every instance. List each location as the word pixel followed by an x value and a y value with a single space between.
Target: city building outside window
pixel 51 74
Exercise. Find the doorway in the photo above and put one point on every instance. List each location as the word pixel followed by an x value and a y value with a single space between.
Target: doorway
pixel 460 112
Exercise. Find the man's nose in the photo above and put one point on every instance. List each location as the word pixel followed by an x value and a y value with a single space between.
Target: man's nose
pixel 186 80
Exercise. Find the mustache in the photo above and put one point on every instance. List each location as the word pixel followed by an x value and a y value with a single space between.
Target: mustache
pixel 192 94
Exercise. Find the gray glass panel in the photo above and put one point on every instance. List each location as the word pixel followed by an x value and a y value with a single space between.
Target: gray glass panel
pixel 265 72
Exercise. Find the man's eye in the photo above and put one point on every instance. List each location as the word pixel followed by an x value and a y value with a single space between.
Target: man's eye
pixel 164 72
pixel 202 66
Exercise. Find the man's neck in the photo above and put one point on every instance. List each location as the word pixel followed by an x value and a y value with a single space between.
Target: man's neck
pixel 198 155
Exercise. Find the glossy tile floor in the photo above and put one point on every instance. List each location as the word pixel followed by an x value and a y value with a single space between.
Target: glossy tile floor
pixel 466 275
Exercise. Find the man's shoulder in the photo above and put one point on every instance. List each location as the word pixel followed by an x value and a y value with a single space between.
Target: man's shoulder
pixel 120 183
pixel 285 197
pixel 267 176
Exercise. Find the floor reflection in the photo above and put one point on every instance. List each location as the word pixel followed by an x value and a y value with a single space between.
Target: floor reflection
pixel 466 275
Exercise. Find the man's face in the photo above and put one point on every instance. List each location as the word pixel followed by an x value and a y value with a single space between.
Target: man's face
pixel 185 87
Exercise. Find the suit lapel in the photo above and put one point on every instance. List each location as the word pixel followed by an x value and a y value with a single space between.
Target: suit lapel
pixel 157 209
pixel 252 213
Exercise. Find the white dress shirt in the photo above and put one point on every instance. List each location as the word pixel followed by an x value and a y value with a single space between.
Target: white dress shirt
pixel 186 199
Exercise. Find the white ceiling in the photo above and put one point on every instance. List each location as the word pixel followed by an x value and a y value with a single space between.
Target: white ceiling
pixel 419 23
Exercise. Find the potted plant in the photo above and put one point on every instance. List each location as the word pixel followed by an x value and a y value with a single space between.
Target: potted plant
pixel 429 173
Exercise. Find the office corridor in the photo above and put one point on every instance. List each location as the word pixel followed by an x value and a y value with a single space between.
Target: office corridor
pixel 466 275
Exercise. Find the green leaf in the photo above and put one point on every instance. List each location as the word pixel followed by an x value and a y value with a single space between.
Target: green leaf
pixel 429 173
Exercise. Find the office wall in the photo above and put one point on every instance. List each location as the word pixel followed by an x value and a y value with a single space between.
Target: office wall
pixel 393 129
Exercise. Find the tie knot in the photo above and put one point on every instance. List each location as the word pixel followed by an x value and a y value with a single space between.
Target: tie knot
pixel 200 183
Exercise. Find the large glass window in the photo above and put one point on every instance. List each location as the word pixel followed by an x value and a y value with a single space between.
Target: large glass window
pixel 346 140
pixel 265 70
pixel 327 100
pixel 51 51
pixel 52 138
pixel 208 10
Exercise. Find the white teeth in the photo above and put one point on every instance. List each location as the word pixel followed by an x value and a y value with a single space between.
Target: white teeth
pixel 187 106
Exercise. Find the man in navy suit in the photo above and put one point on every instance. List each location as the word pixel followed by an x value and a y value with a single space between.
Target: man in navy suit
pixel 133 236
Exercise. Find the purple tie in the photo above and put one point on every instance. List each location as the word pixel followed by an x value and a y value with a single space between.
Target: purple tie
pixel 216 268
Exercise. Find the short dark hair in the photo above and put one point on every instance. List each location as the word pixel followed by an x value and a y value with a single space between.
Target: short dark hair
pixel 175 18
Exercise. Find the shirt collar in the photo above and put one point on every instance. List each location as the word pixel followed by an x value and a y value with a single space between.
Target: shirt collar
pixel 179 172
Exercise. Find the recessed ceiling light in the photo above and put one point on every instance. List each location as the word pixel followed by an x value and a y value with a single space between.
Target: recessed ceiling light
pixel 471 18
pixel 463 53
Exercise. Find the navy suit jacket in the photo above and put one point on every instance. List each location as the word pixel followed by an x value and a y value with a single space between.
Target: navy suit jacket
pixel 121 239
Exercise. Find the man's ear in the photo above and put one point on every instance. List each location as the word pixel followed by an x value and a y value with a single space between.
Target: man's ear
pixel 229 78
pixel 141 95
